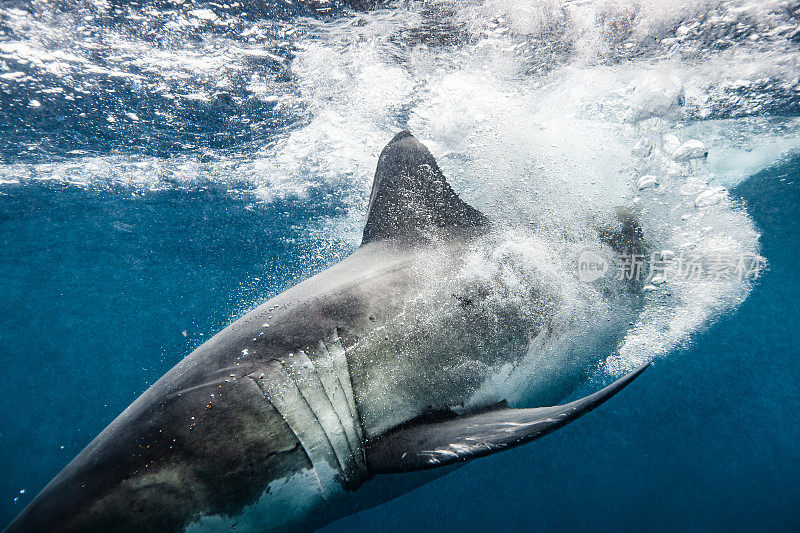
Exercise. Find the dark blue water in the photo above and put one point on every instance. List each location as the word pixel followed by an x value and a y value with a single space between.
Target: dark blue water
pixel 105 285
pixel 99 286
pixel 103 291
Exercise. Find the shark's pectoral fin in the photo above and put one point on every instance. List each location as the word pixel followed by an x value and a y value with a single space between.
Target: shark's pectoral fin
pixel 426 444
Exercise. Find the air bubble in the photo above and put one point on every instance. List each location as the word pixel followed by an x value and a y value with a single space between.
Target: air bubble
pixel 709 197
pixel 691 149
pixel 647 182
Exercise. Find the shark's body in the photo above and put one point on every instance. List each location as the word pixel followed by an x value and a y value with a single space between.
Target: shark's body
pixel 299 412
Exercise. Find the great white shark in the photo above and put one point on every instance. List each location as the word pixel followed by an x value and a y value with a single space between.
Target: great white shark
pixel 350 388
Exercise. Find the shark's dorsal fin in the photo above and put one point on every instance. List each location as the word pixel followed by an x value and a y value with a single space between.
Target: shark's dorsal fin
pixel 411 198
pixel 425 443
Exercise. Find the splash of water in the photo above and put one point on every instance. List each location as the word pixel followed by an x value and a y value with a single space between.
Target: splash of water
pixel 545 114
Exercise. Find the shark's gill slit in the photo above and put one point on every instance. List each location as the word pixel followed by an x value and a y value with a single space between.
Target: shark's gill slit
pixel 341 369
pixel 301 370
pixel 295 388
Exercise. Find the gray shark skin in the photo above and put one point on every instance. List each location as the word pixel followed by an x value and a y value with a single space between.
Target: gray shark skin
pixel 340 393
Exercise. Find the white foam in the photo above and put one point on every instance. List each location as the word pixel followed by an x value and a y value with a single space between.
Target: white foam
pixel 558 151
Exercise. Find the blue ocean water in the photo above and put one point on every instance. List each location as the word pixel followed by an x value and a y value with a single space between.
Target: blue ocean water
pixel 99 286
pixel 126 242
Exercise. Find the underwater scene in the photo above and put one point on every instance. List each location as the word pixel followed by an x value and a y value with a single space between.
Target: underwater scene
pixel 297 265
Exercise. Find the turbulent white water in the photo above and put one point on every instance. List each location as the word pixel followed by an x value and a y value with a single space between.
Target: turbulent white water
pixel 546 115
